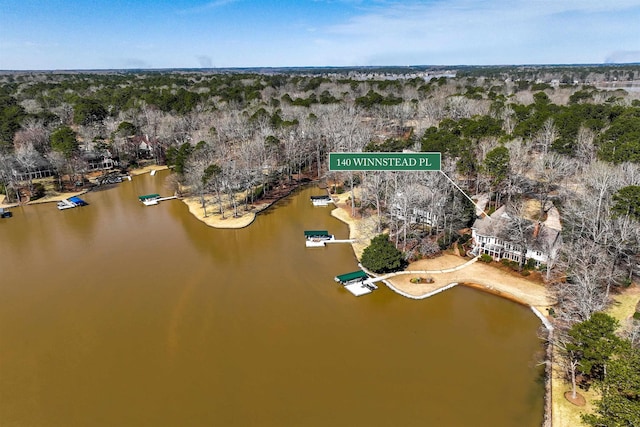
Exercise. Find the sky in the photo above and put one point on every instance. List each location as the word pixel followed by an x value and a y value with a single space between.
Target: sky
pixel 140 34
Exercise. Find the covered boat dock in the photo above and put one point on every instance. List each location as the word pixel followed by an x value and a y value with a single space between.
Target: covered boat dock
pixel 356 282
pixel 71 202
pixel 315 238
pixel 148 197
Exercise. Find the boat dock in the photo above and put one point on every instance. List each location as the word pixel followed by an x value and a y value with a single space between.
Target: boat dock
pixel 340 241
pixel 319 238
pixel 356 282
pixel 71 202
pixel 154 199
pixel 324 200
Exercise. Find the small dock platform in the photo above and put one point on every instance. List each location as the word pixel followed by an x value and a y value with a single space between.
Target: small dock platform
pixel 154 199
pixel 71 202
pixel 323 200
pixel 356 282
pixel 317 238
pixel 340 241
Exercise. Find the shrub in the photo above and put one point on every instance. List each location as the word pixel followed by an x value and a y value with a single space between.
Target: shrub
pixel 445 241
pixel 511 264
pixel 38 191
pixel 486 258
pixel 636 315
pixel 381 256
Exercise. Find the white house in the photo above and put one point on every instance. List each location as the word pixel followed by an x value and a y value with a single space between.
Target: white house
pixel 490 235
pixel 415 215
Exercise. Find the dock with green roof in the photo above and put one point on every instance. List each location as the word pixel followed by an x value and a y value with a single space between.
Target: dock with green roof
pixel 154 199
pixel 356 282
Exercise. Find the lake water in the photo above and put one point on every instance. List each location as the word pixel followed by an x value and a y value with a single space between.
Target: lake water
pixel 117 314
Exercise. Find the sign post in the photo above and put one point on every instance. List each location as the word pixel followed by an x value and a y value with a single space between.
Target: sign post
pixel 391 162
pixel 384 161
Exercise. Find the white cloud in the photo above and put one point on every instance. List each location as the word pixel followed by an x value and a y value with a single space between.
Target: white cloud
pixel 480 31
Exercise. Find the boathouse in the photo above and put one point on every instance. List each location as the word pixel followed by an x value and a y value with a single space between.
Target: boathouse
pixel 356 282
pixel 315 238
pixel 354 276
pixel 148 197
pixel 70 203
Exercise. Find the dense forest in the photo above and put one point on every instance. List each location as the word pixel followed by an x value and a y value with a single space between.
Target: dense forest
pixel 530 138
pixel 561 136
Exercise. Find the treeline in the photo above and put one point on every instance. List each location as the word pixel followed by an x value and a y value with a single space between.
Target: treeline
pixel 601 353
pixel 502 136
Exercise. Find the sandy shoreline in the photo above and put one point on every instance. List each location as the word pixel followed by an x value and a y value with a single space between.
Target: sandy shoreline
pixel 477 275
pixel 211 216
pixel 213 219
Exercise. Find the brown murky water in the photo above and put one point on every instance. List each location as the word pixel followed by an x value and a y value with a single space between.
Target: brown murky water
pixel 117 314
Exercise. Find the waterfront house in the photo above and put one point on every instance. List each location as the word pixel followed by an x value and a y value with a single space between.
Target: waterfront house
pixel 538 241
pixel 413 215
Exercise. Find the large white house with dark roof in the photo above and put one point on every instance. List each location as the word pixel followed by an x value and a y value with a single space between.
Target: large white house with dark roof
pixel 492 235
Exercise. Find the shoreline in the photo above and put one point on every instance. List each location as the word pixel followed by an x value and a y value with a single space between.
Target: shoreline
pixel 215 220
pixel 193 203
pixel 56 197
pixel 449 270
pixel 446 271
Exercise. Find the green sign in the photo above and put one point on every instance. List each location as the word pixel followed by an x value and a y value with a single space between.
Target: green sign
pixel 384 161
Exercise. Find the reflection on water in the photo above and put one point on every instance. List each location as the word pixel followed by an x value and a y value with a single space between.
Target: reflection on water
pixel 121 314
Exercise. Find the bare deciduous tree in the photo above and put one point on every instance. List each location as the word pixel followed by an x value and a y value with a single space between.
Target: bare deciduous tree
pixel 28 158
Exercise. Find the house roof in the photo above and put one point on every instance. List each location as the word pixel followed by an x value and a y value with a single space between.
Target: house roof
pixel 544 234
pixel 76 200
pixel 316 233
pixel 352 276
pixel 494 224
